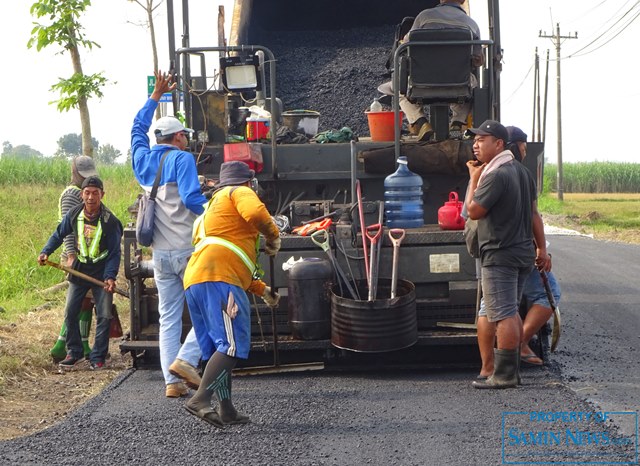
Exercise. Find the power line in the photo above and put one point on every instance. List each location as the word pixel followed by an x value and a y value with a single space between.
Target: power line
pixel 587 12
pixel 607 30
pixel 519 85
pixel 625 26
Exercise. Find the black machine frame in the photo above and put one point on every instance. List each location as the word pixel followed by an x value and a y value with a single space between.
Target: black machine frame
pixel 312 180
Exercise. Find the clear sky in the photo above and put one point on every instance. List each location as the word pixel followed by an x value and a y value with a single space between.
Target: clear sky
pixel 597 81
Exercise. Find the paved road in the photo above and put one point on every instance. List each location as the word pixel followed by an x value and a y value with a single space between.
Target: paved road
pixel 600 346
pixel 403 418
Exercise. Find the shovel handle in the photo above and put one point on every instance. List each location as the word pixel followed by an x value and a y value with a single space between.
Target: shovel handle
pixel 274 325
pixel 84 276
pixel 547 289
pixel 396 240
pixel 375 236
pixel 321 238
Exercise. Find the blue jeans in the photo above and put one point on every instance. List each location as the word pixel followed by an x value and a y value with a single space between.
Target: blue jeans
pixel 104 301
pixel 168 272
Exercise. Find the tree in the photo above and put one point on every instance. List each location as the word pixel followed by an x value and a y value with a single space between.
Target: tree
pixel 107 154
pixel 71 145
pixel 149 9
pixel 22 152
pixel 6 147
pixel 66 31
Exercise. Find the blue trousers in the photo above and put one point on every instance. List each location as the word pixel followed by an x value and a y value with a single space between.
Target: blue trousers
pixel 104 301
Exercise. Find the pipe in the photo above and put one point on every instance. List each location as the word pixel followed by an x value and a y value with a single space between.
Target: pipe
pixel 354 153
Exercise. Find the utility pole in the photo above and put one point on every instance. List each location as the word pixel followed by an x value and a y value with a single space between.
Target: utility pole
pixel 556 38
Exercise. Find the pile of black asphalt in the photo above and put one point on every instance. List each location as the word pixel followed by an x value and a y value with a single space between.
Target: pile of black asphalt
pixel 333 72
pixel 315 418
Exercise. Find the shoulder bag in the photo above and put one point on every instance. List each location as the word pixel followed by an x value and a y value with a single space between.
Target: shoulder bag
pixel 147 209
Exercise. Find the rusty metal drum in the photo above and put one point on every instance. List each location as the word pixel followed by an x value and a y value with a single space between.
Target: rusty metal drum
pixel 375 326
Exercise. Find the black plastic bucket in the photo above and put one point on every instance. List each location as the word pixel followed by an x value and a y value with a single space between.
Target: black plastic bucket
pixel 309 303
pixel 375 326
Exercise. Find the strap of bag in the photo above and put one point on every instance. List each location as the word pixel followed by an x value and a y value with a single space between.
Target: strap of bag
pixel 156 182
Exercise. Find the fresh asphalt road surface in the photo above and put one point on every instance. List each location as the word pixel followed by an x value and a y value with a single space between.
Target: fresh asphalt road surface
pixel 389 418
pixel 600 345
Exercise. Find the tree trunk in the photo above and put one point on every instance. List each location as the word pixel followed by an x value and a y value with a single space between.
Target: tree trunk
pixel 154 48
pixel 83 107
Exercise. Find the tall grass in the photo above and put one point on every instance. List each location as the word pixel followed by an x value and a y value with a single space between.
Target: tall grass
pixel 29 194
pixel 594 177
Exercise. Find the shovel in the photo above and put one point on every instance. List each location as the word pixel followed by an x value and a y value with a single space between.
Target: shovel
pixel 86 277
pixel 557 330
pixel 362 232
pixel 395 240
pixel 373 233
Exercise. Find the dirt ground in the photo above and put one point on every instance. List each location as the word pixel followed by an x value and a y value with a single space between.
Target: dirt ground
pixel 34 396
pixel 34 393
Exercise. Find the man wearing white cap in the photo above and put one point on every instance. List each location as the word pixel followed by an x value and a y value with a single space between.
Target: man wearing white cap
pixel 178 202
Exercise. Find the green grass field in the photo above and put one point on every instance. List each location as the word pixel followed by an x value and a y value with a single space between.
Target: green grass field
pixel 29 193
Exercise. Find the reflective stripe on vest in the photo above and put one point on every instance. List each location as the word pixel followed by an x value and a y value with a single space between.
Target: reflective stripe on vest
pixel 90 255
pixel 229 245
pixel 200 240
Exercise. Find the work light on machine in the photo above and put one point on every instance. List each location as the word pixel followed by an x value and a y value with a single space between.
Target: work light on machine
pixel 240 73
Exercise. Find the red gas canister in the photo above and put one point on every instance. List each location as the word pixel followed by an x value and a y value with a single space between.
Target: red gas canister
pixel 449 217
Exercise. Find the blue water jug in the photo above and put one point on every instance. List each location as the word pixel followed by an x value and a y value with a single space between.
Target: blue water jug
pixel 403 198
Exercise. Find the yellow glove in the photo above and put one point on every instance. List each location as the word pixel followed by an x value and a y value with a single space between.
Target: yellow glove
pixel 271 247
pixel 269 299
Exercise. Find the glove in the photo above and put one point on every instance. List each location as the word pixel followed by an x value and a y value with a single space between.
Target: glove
pixel 269 299
pixel 272 247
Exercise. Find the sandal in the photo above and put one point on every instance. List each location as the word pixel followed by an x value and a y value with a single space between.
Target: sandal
pixel 237 419
pixel 531 359
pixel 207 414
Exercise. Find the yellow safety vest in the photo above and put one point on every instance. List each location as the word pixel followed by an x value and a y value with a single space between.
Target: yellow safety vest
pixel 92 253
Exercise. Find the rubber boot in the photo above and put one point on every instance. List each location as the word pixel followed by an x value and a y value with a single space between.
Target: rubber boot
pixel 84 318
pixel 59 350
pixel 505 373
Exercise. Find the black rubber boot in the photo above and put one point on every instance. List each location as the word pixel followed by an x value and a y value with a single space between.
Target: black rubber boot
pixel 505 373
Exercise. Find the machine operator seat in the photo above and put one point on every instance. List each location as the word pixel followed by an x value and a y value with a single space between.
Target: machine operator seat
pixel 438 75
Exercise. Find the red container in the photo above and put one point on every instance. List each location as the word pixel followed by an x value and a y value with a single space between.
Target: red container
pixel 449 217
pixel 381 125
pixel 257 129
pixel 251 154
